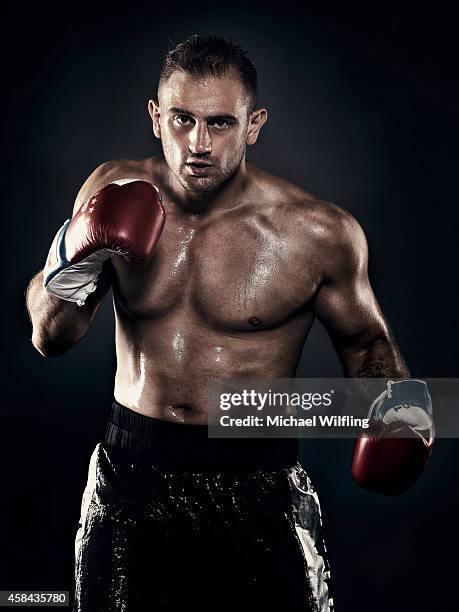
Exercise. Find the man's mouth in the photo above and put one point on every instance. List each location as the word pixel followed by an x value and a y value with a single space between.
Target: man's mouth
pixel 198 168
pixel 199 164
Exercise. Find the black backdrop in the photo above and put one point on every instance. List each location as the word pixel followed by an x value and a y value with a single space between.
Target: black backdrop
pixel 362 112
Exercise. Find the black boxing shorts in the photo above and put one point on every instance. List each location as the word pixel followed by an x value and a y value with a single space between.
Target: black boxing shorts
pixel 173 520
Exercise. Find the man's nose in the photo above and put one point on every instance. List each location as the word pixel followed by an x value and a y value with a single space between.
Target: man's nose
pixel 200 142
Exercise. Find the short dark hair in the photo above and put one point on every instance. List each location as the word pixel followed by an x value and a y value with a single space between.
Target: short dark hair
pixel 211 55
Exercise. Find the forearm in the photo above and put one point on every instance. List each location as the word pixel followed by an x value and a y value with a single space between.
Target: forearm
pixel 57 325
pixel 379 357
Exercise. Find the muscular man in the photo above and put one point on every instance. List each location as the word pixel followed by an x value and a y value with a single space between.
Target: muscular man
pixel 244 264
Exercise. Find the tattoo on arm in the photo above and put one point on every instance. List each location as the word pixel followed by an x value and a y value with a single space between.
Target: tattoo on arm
pixel 375 366
pixel 382 360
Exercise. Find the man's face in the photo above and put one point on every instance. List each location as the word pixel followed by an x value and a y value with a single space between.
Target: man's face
pixel 203 125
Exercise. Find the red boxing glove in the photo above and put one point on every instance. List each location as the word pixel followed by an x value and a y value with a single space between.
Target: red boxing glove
pixel 125 217
pixel 391 455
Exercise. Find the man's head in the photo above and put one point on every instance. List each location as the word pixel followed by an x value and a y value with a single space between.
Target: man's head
pixel 205 112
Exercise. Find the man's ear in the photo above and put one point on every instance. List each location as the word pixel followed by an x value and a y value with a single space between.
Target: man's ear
pixel 153 111
pixel 258 118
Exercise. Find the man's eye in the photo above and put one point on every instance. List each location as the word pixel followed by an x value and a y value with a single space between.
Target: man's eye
pixel 220 124
pixel 183 120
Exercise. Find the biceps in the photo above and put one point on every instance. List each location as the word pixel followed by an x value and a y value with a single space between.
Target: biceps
pixel 349 311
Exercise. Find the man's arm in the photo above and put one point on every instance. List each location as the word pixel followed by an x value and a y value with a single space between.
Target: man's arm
pixel 110 216
pixel 388 457
pixel 57 325
pixel 346 305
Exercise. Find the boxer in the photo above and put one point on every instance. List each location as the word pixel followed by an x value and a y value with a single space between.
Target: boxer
pixel 228 286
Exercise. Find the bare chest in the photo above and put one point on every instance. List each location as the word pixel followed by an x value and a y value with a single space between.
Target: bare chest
pixel 234 274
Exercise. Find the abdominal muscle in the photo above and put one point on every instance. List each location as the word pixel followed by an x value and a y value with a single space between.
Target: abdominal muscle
pixel 164 366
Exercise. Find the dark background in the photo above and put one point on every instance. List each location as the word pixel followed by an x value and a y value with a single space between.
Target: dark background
pixel 361 112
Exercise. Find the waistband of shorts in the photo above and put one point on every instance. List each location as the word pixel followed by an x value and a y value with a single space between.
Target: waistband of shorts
pixel 169 445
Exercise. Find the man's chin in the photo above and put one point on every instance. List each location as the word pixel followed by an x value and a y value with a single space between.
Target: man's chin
pixel 200 185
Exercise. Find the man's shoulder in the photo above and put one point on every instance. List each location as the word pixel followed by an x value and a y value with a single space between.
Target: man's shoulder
pixel 310 212
pixel 113 170
pixel 117 169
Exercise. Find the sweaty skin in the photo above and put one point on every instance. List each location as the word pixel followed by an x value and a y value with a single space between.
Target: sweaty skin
pixel 246 262
pixel 226 294
pixel 234 292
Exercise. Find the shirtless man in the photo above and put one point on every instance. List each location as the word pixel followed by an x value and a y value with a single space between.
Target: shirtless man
pixel 244 264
